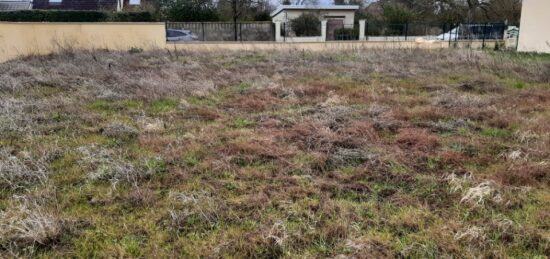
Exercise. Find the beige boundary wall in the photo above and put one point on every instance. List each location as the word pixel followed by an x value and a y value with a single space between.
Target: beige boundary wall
pixel 323 46
pixel 23 39
pixel 534 32
pixel 310 46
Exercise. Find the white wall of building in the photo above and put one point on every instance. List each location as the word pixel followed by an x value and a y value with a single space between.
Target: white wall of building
pixel 288 15
pixel 534 33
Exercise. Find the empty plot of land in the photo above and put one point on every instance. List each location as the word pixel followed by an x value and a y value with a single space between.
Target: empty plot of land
pixel 379 153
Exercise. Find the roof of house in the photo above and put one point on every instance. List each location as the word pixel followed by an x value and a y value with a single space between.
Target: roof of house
pixel 315 7
pixel 9 5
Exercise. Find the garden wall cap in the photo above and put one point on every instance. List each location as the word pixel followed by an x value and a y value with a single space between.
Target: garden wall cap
pixel 314 7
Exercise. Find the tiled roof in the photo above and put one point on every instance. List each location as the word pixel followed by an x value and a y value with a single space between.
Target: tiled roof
pixel 14 5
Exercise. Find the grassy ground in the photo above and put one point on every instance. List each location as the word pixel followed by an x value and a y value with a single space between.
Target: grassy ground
pixel 378 153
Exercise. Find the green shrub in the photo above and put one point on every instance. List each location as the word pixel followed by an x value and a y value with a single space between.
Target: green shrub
pixel 396 14
pixel 133 17
pixel 306 25
pixel 135 50
pixel 518 84
pixel 262 16
pixel 74 16
pixel 191 11
pixel 53 16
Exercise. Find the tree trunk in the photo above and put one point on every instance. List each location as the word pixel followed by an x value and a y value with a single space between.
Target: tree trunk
pixel 235 27
pixel 235 17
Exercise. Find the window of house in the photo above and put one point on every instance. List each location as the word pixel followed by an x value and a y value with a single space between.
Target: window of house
pixel 135 2
pixel 55 1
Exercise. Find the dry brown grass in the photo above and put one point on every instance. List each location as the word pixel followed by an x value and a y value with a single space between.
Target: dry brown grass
pixel 28 223
pixel 200 113
pixel 526 175
pixel 256 101
pixel 20 171
pixel 361 154
pixel 417 140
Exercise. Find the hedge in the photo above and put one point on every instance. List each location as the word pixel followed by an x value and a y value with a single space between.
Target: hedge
pixel 74 16
pixel 133 17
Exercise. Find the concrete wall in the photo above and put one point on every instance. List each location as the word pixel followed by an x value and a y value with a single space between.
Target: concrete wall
pixel 304 39
pixel 534 33
pixel 23 39
pixel 311 46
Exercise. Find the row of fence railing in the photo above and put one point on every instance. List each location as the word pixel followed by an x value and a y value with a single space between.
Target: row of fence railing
pixel 335 31
pixel 225 31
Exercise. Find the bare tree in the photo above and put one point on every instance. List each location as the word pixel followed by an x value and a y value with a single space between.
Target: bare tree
pixel 505 10
pixel 476 6
pixel 307 2
pixel 350 2
pixel 239 8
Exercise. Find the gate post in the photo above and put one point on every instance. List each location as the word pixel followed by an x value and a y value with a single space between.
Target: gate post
pixel 406 31
pixel 324 30
pixel 484 36
pixel 278 37
pixel 202 29
pixel 362 30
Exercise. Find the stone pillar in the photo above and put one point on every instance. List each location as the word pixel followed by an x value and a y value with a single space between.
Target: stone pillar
pixel 362 24
pixel 278 37
pixel 324 30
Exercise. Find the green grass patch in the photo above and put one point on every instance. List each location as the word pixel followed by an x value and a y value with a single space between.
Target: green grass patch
pixel 496 133
pixel 518 84
pixel 101 106
pixel 192 158
pixel 133 104
pixel 433 163
pixel 523 56
pixel 164 105
pixel 241 123
pixel 132 246
pixel 243 87
pixel 398 168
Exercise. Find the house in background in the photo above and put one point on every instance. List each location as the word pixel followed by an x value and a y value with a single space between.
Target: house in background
pixel 534 32
pixel 337 16
pixel 112 5
pixel 15 5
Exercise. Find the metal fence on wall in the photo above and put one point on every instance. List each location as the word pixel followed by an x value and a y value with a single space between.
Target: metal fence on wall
pixel 343 31
pixel 403 31
pixel 227 31
pixel 442 32
pixel 338 31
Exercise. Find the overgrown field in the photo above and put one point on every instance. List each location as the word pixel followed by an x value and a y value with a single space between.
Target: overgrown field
pixel 364 154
